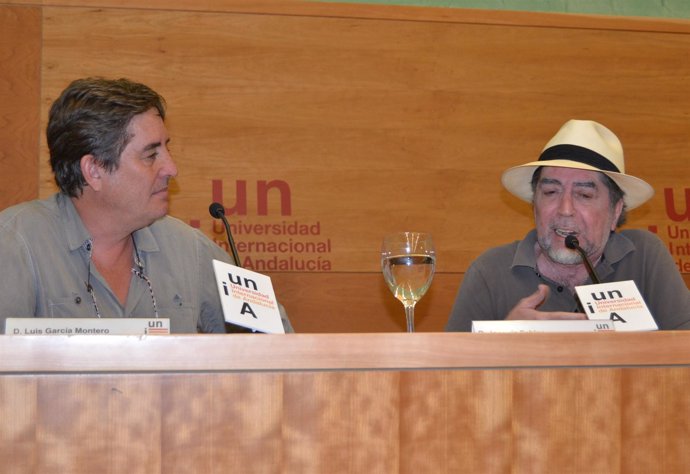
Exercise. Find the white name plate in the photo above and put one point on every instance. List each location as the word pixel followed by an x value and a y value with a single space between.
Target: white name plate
pixel 86 326
pixel 551 325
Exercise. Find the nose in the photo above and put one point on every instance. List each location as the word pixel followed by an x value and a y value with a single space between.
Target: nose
pixel 565 205
pixel 168 166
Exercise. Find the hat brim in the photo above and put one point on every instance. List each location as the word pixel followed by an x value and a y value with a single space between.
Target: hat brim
pixel 518 180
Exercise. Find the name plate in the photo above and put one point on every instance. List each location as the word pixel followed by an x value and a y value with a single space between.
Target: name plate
pixel 86 326
pixel 552 325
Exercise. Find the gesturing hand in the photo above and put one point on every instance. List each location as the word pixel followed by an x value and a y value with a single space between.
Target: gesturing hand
pixel 526 308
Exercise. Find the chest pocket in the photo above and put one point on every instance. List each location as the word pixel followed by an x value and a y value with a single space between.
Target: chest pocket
pixel 183 317
pixel 75 306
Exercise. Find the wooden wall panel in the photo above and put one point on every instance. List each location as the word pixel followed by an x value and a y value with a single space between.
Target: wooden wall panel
pixel 609 420
pixel 364 122
pixel 346 403
pixel 358 302
pixel 377 125
pixel 20 65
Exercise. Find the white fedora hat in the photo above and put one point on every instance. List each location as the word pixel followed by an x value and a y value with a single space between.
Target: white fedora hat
pixel 586 145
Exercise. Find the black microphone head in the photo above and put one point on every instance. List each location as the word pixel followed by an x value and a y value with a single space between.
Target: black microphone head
pixel 217 210
pixel 571 242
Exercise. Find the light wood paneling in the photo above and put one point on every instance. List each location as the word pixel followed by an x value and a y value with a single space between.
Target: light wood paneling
pixel 379 125
pixel 380 403
pixel 20 65
pixel 360 302
pixel 240 352
pixel 376 11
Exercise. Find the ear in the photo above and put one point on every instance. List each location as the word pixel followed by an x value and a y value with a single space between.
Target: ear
pixel 617 213
pixel 91 171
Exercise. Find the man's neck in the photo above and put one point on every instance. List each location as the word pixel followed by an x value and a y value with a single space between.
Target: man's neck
pixel 107 230
pixel 569 276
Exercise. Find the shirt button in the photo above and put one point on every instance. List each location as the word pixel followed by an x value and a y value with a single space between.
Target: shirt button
pixel 560 289
pixel 77 300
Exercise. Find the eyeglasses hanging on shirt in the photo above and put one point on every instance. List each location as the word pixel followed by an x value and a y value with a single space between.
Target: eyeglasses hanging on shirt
pixel 138 271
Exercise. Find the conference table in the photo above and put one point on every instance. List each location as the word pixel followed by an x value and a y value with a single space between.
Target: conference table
pixel 606 402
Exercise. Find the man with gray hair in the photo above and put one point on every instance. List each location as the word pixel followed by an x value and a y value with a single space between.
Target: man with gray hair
pixel 578 189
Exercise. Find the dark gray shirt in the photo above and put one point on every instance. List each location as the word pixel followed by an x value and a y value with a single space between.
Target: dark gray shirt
pixel 502 276
pixel 45 254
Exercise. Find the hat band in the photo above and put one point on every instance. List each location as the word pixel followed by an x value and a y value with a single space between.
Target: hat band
pixel 579 154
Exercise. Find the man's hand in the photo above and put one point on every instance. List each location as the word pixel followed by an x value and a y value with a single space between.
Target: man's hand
pixel 527 308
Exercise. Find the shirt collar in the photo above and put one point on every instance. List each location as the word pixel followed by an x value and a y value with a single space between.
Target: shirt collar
pixel 616 249
pixel 78 236
pixel 145 240
pixel 524 255
pixel 76 233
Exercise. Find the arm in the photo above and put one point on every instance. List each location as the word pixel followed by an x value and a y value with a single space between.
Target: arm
pixel 662 285
pixel 17 280
pixel 472 303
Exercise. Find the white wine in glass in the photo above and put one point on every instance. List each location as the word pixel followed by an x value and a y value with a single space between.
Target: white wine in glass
pixel 408 261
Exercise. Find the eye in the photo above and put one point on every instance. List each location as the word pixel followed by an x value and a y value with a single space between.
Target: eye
pixel 151 156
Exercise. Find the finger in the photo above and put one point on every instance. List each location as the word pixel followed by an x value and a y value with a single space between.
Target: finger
pixel 535 299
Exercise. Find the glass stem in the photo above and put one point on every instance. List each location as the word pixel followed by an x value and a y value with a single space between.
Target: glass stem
pixel 409 315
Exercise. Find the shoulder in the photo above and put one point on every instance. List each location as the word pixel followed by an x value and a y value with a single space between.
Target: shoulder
pixel 29 217
pixel 640 238
pixel 503 255
pixel 635 245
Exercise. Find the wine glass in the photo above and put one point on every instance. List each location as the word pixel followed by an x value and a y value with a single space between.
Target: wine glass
pixel 408 260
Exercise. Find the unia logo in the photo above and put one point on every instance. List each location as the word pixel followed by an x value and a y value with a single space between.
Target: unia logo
pixel 268 237
pixel 678 232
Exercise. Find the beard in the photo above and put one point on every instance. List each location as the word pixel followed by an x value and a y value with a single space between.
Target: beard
pixel 564 256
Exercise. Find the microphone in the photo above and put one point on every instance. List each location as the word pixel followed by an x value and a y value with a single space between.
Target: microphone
pixel 217 211
pixel 572 243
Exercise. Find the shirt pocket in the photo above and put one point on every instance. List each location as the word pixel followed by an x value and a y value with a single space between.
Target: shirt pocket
pixel 183 318
pixel 74 306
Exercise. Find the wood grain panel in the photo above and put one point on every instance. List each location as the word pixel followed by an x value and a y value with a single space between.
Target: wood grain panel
pixel 524 403
pixel 103 416
pixel 407 123
pixel 20 65
pixel 522 421
pixel 210 422
pixel 648 414
pixel 18 410
pixel 325 352
pixel 456 424
pixel 342 422
pixel 359 302
pixel 391 12
pixel 587 436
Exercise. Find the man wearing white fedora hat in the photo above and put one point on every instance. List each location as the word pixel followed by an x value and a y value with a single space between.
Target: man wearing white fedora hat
pixel 579 188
